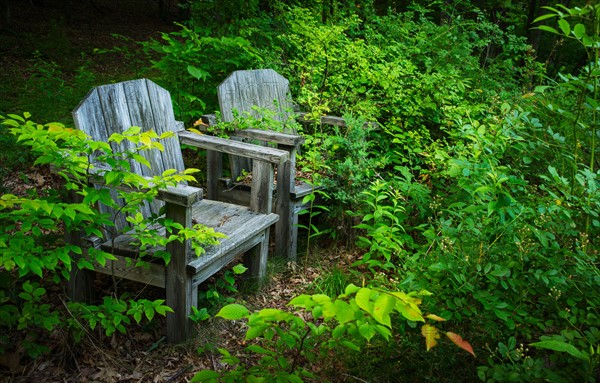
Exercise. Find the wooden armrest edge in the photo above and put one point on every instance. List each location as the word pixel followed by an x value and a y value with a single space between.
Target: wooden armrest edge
pixel 255 152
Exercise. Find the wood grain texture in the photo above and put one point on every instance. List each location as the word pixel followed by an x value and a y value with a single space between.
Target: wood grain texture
pixel 263 88
pixel 261 194
pixel 116 107
pixel 285 231
pixel 214 172
pixel 268 136
pixel 242 91
pixel 152 274
pixel 177 281
pixel 223 145
pixel 80 281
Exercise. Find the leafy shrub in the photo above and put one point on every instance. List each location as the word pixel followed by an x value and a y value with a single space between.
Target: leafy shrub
pixel 191 63
pixel 31 253
pixel 288 344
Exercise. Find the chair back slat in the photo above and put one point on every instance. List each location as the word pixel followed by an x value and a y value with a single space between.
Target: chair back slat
pixel 245 89
pixel 115 108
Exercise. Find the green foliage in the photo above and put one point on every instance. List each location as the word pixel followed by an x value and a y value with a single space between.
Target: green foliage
pixel 288 344
pixel 384 223
pixel 477 179
pixel 215 295
pixel 29 250
pixel 191 63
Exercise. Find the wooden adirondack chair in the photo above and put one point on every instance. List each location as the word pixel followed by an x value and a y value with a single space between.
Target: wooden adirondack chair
pixel 115 108
pixel 242 91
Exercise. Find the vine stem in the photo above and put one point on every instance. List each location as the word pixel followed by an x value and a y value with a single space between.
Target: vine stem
pixel 299 350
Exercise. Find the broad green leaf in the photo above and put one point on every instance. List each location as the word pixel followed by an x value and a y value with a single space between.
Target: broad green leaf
pixel 343 311
pixel 579 30
pixel 255 331
pixel 169 172
pixel 351 289
pixel 363 299
pixel 197 73
pixel 260 350
pixel 564 26
pixel 351 345
pixel 239 269
pixel 431 335
pixel 560 346
pixel 141 159
pixel 302 300
pixel 460 342
pixel 233 311
pixel 367 331
pixel 548 29
pixel 205 376
pixel 410 312
pixel 544 17
pixel 382 307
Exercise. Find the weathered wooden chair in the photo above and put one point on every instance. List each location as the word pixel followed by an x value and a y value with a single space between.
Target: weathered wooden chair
pixel 115 108
pixel 249 92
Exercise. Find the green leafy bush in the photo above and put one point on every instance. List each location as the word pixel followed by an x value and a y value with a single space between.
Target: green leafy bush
pixel 30 249
pixel 288 344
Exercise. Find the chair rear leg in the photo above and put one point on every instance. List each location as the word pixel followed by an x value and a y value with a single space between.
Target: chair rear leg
pixel 80 284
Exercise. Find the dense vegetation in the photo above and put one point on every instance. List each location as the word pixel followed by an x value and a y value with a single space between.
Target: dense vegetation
pixel 477 188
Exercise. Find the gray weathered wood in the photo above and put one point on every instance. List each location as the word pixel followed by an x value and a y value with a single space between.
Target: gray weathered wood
pixel 255 152
pixel 152 274
pixel 113 109
pixel 177 281
pixel 80 281
pixel 262 187
pixel 288 139
pixel 245 89
pixel 214 171
pixel 285 230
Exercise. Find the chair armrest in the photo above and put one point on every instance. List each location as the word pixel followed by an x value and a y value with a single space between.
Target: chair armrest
pixel 255 152
pixel 181 195
pixel 287 139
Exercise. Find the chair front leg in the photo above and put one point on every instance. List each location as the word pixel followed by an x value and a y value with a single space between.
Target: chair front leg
pixel 178 282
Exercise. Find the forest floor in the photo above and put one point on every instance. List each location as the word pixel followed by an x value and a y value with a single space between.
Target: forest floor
pixel 141 355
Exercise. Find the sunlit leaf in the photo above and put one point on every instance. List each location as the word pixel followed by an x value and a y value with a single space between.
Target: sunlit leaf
pixel 544 17
pixel 435 318
pixel 233 311
pixel 197 72
pixel 431 334
pixel 382 307
pixel 579 30
pixel 548 29
pixel 363 299
pixel 460 342
pixel 564 26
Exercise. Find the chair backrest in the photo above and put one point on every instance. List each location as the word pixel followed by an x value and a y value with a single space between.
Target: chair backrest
pixel 115 108
pixel 245 89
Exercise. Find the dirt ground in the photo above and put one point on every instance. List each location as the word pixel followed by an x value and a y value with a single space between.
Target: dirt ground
pixel 60 30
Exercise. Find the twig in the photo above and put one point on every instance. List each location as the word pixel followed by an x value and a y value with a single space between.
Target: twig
pixel 179 373
pixel 356 378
